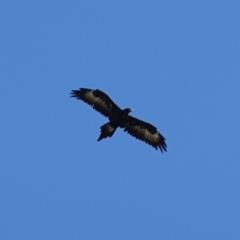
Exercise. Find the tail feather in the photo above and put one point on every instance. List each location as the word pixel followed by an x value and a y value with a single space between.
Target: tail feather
pixel 107 130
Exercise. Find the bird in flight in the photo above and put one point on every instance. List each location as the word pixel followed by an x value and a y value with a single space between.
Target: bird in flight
pixel 118 117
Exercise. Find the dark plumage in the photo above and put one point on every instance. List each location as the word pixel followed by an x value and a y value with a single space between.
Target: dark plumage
pixel 118 117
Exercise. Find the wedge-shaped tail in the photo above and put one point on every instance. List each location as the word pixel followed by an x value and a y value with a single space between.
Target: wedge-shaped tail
pixel 107 130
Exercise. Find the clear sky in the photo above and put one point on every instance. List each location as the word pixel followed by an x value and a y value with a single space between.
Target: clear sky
pixel 176 63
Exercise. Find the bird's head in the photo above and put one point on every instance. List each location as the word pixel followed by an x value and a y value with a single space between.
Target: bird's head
pixel 128 110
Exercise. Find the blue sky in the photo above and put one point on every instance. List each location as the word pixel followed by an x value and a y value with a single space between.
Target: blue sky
pixel 176 63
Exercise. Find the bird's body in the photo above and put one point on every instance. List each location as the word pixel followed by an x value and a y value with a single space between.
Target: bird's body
pixel 118 117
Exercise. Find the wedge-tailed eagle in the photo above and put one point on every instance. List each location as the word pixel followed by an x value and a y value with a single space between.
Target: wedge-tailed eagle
pixel 118 117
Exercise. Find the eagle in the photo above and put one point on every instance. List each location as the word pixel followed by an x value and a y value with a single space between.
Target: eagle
pixel 118 117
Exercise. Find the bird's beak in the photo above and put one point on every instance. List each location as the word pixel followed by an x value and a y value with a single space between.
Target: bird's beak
pixel 131 109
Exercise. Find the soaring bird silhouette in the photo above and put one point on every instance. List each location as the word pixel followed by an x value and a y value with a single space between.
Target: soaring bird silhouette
pixel 118 117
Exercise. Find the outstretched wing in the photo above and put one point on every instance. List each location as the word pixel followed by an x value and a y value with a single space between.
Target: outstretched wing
pixel 146 132
pixel 99 100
